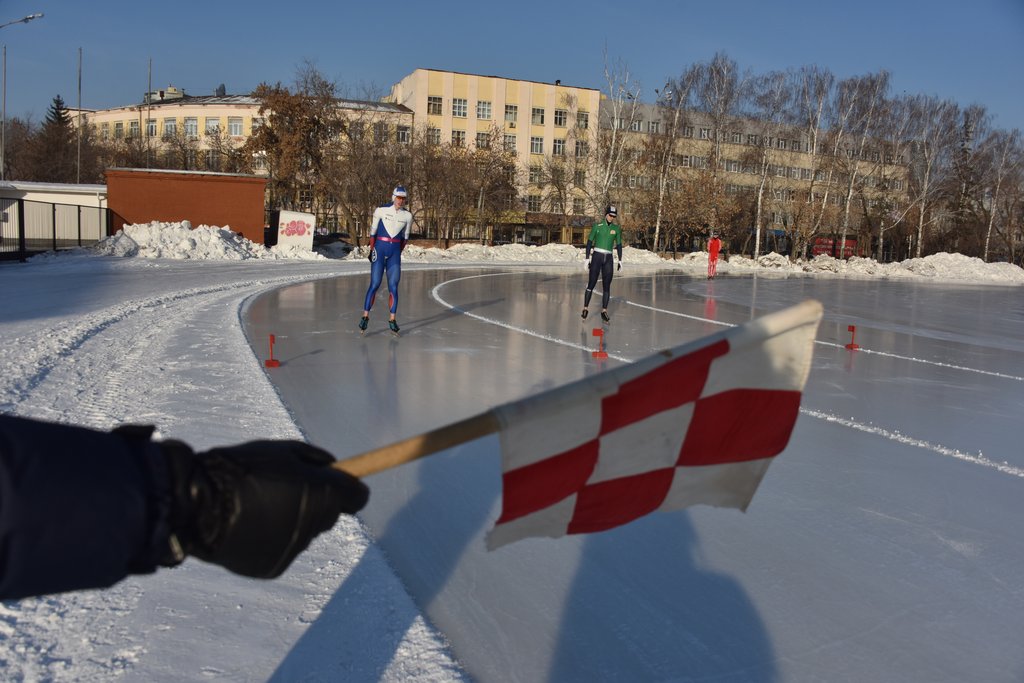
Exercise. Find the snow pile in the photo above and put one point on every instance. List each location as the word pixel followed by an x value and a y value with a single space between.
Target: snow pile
pixel 181 241
pixel 159 239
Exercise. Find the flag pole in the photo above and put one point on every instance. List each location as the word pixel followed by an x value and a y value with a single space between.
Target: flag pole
pixel 416 447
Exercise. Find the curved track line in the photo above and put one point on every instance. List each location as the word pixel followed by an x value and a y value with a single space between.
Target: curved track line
pixel 978 459
pixel 842 346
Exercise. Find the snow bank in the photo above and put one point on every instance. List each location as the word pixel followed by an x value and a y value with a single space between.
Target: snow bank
pixel 181 241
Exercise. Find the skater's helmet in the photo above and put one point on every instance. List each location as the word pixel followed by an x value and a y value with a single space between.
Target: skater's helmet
pixel 399 192
pixel 610 211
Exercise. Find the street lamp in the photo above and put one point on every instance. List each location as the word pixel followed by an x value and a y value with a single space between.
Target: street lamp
pixel 3 124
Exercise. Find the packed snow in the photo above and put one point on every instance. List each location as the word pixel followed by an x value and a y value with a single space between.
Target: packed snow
pixel 145 327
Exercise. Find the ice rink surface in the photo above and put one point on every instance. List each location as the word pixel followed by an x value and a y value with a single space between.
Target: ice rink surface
pixel 884 544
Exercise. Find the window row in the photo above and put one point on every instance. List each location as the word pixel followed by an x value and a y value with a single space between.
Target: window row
pixel 538 115
pixel 190 127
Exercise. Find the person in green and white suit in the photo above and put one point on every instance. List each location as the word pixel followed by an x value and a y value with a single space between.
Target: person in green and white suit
pixel 603 237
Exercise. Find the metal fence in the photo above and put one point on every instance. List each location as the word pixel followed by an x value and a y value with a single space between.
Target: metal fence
pixel 30 227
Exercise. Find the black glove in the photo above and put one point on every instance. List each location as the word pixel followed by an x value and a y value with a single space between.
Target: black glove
pixel 620 266
pixel 253 508
pixel 372 256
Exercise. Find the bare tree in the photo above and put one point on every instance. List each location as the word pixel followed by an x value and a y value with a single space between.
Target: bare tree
pixel 619 112
pixel 813 89
pixel 863 98
pixel 675 102
pixel 1004 160
pixel 935 130
pixel 770 97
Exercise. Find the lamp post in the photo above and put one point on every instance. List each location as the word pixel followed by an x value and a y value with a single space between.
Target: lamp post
pixel 3 123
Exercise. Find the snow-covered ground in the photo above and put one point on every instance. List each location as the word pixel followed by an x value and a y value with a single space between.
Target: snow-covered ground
pixel 147 328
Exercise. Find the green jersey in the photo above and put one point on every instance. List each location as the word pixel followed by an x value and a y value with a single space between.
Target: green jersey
pixel 605 236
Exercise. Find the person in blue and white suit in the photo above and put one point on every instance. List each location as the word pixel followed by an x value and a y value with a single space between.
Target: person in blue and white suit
pixel 389 232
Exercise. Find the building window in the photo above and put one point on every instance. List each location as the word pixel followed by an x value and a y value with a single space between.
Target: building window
pixel 402 135
pixel 170 128
pixel 458 138
pixel 636 125
pixel 582 148
pixel 537 116
pixel 434 105
pixel 133 129
pixel 212 126
pixel 483 140
pixel 380 132
pixel 561 118
pixel 151 128
pixel 434 136
pixel 191 127
pixel 582 120
pixel 535 175
pixel 736 138
pixel 687 131
pixel 483 110
pixel 533 202
pixel 104 131
pixel 510 143
pixel 460 107
pixel 558 148
pixel 118 130
pixel 235 126
pixel 780 143
pixel 654 127
pixel 579 179
pixel 705 133
pixel 259 161
pixel 511 113
pixel 212 160
pixel 536 145
pixel 578 206
pixel 752 140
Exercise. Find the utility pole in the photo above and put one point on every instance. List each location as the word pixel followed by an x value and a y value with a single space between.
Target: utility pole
pixel 3 122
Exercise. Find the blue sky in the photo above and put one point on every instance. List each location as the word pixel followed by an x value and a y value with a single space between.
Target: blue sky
pixel 969 52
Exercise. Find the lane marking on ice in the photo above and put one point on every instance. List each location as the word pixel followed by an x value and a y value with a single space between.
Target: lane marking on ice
pixel 974 459
pixel 843 346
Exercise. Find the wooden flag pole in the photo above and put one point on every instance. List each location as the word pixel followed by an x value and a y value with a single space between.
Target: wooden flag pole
pixel 416 447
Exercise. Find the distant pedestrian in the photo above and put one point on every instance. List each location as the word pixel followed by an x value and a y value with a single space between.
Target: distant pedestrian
pixel 603 237
pixel 389 233
pixel 714 246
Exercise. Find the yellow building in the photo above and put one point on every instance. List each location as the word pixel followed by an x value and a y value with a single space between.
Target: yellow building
pixel 538 121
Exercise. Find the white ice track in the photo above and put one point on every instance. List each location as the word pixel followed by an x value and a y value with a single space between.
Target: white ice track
pixel 892 434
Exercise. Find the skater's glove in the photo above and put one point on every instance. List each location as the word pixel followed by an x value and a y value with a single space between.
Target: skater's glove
pixel 372 255
pixel 254 507
pixel 620 266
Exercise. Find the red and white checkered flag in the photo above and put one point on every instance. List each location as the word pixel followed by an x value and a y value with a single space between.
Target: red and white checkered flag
pixel 696 424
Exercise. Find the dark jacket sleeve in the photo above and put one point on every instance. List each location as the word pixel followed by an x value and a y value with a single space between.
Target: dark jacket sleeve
pixel 78 508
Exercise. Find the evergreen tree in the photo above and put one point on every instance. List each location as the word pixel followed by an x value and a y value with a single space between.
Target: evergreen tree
pixel 53 154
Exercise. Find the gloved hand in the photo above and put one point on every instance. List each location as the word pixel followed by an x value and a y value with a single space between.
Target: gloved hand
pixel 619 266
pixel 372 255
pixel 254 507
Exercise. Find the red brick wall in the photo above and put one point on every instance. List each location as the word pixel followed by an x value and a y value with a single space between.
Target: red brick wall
pixel 224 200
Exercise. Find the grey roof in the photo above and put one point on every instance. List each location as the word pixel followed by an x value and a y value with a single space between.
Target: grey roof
pixel 255 102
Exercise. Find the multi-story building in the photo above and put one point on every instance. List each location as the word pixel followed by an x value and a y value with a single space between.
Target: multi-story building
pixel 546 125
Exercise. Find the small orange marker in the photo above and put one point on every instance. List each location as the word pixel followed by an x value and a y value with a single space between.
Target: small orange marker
pixel 853 335
pixel 271 362
pixel 600 353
